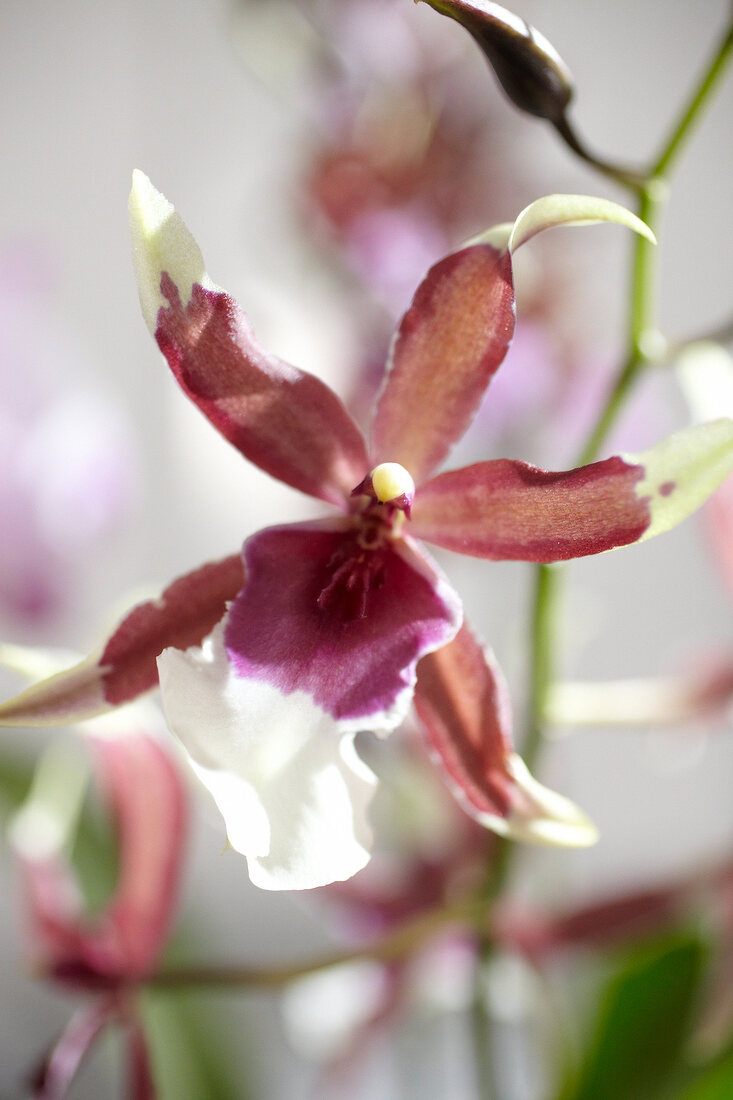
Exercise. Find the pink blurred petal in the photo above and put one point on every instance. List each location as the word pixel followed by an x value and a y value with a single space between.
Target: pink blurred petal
pixel 55 917
pixel 124 941
pixel 448 345
pixel 146 796
pixel 390 250
pixel 285 421
pixel 719 515
pixel 507 510
pixel 56 1074
pixel 615 917
pixel 141 1082
pixel 66 452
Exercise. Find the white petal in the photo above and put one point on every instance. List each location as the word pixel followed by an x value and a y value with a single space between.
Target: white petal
pixel 284 774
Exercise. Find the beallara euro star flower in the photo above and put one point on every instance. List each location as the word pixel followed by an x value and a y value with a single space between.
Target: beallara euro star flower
pixel 322 628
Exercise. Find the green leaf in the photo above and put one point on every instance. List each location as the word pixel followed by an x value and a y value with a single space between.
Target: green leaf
pixel 714 1082
pixel 188 1035
pixel 634 1046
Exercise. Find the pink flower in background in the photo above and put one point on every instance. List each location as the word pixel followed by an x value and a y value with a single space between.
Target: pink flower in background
pixel 328 620
pixel 405 164
pixel 107 953
pixel 720 521
pixel 65 449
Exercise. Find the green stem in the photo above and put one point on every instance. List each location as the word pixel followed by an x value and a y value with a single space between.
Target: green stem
pixel 627 177
pixel 643 337
pixel 399 943
pixel 542 668
pixel 681 130
pixel 481 1031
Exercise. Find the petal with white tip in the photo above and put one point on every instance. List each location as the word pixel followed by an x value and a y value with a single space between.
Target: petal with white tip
pixel 463 704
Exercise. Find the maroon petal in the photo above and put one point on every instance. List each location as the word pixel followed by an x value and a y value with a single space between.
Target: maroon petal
pixel 185 613
pixel 462 702
pixel 287 422
pixel 448 345
pixel 507 510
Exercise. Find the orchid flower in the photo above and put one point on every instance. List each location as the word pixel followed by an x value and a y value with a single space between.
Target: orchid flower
pixel 104 954
pixel 319 632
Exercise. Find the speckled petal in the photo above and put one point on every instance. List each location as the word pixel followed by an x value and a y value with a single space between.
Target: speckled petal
pixel 447 348
pixel 507 510
pixel 286 421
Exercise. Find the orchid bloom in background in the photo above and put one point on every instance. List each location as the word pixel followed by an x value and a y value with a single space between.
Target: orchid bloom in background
pixel 66 451
pixel 328 620
pixel 108 953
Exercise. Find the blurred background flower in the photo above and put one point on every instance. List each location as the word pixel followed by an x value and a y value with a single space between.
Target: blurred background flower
pixel 67 450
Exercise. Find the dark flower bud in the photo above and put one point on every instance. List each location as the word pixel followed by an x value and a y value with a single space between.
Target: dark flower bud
pixel 529 69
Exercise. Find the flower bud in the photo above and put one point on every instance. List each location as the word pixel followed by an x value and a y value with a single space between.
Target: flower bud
pixel 530 71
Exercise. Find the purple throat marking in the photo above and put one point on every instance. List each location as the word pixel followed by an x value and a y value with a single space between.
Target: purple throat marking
pixel 357 567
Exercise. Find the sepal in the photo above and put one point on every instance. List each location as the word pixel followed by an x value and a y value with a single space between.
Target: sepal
pixel 552 211
pixel 463 704
pixel 182 616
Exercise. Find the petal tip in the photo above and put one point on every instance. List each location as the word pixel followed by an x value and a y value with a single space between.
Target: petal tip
pixel 573 210
pixel 682 471
pixel 161 243
pixel 541 816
